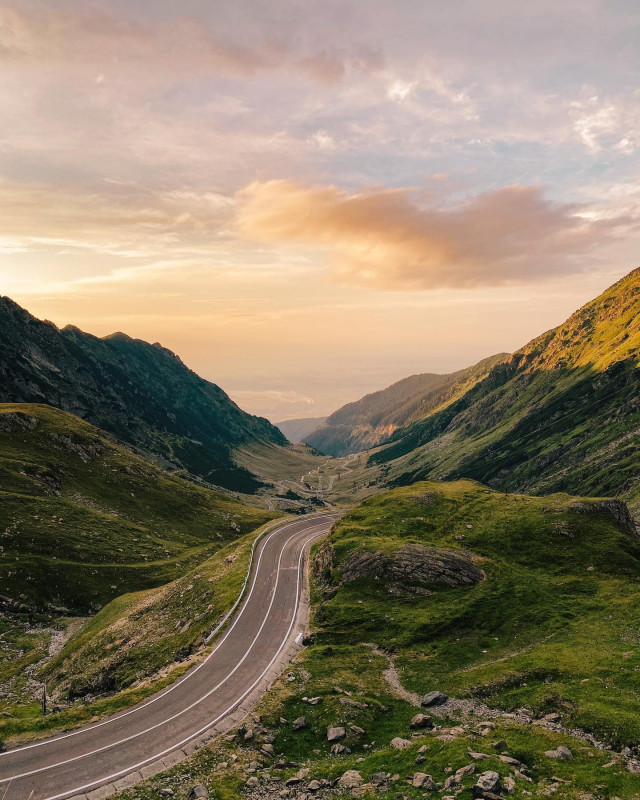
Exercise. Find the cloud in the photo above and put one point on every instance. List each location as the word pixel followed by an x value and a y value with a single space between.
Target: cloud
pixel 383 238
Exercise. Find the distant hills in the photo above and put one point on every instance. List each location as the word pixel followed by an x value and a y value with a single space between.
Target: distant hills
pixel 372 420
pixel 141 393
pixel 297 430
pixel 561 414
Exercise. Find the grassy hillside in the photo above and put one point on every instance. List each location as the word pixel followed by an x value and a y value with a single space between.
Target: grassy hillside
pixel 140 392
pixel 82 520
pixel 547 626
pixel 370 421
pixel 563 414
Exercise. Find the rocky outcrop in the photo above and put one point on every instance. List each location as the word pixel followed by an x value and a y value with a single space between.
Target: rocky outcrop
pixel 413 564
pixel 616 508
pixel 322 559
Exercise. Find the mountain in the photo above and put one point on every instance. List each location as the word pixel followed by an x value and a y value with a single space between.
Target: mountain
pixel 83 520
pixel 372 420
pixel 561 414
pixel 297 430
pixel 140 392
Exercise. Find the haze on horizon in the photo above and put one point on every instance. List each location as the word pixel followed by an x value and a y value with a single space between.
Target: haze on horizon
pixel 310 201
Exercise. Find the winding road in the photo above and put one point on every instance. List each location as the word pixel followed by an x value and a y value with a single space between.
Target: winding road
pixel 97 760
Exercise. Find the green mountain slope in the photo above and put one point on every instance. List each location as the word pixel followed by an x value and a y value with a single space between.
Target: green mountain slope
pixel 141 393
pixel 562 414
pixel 546 625
pixel 83 520
pixel 371 420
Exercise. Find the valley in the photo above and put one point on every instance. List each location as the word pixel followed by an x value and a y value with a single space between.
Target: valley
pixel 477 542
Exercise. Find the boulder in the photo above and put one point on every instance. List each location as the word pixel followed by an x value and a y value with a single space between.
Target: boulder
pixel 421 721
pixel 433 699
pixel 468 770
pixel 398 743
pixel 339 749
pixel 199 790
pixel 357 730
pixel 351 779
pixel 334 734
pixel 314 785
pixel 487 782
pixel 413 565
pixel 252 783
pixel 561 752
pixel 423 781
pixel 300 723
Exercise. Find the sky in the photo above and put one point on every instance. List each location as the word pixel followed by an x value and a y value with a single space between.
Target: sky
pixel 308 201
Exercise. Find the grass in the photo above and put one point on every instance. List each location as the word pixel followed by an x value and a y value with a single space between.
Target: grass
pixel 551 627
pixel 83 520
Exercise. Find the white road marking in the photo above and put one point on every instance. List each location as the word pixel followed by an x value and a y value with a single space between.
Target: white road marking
pixel 190 674
pixel 210 724
pixel 188 708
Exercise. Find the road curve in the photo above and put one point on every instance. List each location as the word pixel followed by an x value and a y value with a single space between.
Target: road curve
pixel 78 762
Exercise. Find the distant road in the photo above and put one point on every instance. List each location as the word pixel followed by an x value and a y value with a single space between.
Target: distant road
pixel 256 639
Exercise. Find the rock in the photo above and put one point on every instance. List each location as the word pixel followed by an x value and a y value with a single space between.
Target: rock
pixel 468 770
pixel 509 784
pixel 633 766
pixel 477 756
pixel 511 761
pixel 421 721
pixel 450 783
pixel 166 792
pixel 199 790
pixel 561 752
pixel 553 717
pixel 339 749
pixel 420 760
pixel 300 723
pixel 347 701
pixel 314 785
pixel 267 749
pixel 398 743
pixel 248 735
pixel 487 782
pixel 433 699
pixel 252 783
pixel 413 564
pixel 351 779
pixel 284 721
pixel 499 745
pixel 357 729
pixel 334 734
pixel 313 701
pixel 423 781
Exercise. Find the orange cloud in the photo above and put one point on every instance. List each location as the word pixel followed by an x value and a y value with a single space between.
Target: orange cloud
pixel 382 238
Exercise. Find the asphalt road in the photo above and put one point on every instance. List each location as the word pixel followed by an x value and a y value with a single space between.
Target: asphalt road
pixel 82 760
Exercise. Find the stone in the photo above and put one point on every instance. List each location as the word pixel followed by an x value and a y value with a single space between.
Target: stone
pixel 421 721
pixel 351 779
pixel 487 782
pixel 252 783
pixel 248 735
pixel 433 699
pixel 267 749
pixel 398 743
pixel 347 701
pixel 300 723
pixel 468 770
pixel 420 760
pixel 511 761
pixel 561 752
pixel 499 745
pixel 423 781
pixel 509 784
pixel 357 729
pixel 339 749
pixel 166 792
pixel 313 701
pixel 477 756
pixel 314 786
pixel 199 790
pixel 334 734
pixel 552 717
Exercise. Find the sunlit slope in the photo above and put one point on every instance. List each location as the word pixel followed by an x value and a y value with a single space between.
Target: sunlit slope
pixel 371 420
pixel 563 414
pixel 83 520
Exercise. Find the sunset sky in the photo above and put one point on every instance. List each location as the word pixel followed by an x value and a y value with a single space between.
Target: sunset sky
pixel 310 200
